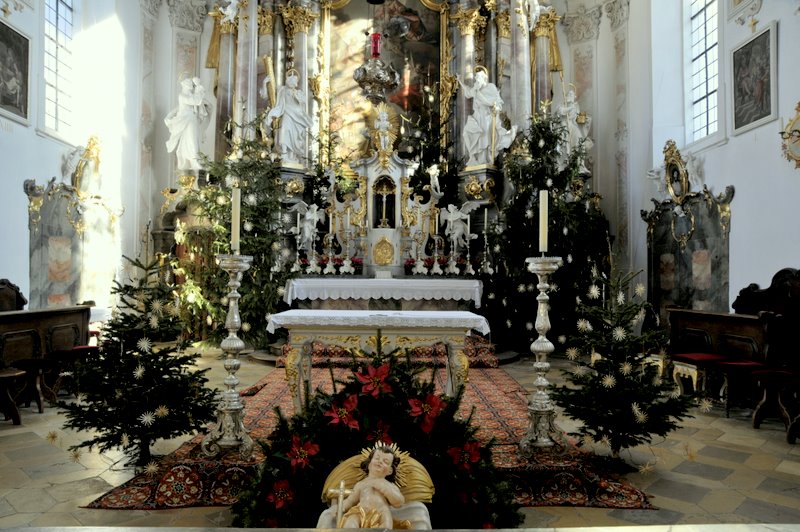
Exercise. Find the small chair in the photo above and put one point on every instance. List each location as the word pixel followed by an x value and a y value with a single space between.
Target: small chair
pixel 8 378
pixel 412 478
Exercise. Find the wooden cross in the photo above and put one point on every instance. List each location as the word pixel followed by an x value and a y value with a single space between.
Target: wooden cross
pixel 341 492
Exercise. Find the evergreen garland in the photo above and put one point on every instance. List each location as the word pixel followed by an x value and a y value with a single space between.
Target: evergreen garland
pixel 133 391
pixel 384 399
pixel 204 285
pixel 614 390
pixel 577 231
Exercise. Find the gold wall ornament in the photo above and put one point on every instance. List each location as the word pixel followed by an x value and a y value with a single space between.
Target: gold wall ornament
pixel 503 23
pixel 296 19
pixel 266 21
pixel 473 187
pixel 675 176
pixel 683 238
pixel 469 21
pixel 186 180
pixel 790 137
pixel 383 252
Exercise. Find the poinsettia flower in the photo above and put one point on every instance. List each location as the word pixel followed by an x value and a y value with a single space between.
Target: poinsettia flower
pixel 344 413
pixel 281 494
pixel 465 456
pixel 375 380
pixel 301 452
pixel 430 409
pixel 380 433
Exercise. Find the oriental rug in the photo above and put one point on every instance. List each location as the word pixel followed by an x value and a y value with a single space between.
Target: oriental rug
pixel 498 404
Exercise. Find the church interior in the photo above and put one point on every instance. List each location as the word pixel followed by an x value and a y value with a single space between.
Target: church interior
pixel 449 264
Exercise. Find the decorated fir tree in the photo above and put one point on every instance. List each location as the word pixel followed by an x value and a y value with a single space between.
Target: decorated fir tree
pixel 577 231
pixel 140 385
pixel 203 286
pixel 614 390
pixel 380 399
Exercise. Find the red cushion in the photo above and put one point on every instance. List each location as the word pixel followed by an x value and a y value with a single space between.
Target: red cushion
pixel 697 357
pixel 742 364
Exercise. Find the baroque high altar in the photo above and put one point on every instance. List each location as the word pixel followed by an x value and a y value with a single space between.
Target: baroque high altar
pixel 353 87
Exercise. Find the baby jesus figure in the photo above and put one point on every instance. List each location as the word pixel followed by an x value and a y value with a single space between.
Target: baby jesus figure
pixel 368 505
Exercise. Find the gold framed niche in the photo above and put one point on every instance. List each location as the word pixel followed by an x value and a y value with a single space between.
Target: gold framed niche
pixel 417 46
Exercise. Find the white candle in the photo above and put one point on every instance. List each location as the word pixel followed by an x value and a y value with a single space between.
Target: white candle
pixel 236 209
pixel 543 221
pixel 347 219
pixel 298 223
pixel 468 230
pixel 486 220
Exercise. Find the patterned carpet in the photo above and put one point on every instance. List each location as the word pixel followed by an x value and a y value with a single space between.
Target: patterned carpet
pixel 562 477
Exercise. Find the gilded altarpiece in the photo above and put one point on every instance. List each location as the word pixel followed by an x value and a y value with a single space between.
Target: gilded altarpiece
pixel 687 243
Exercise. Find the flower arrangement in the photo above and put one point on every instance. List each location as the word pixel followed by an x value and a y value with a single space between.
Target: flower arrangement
pixel 383 399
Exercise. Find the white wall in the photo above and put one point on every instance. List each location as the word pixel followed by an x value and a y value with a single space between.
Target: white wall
pixel 764 235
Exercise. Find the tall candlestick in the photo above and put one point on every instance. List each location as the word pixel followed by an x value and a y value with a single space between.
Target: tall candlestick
pixel 543 221
pixel 236 209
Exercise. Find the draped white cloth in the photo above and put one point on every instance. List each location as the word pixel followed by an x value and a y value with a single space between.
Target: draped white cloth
pixel 402 289
pixel 408 319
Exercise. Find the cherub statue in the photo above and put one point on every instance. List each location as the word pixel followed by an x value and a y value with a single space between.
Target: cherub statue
pixel 307 224
pixel 457 223
pixel 230 11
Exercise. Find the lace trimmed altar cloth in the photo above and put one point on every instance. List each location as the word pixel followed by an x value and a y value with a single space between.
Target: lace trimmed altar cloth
pixel 359 329
pixel 403 289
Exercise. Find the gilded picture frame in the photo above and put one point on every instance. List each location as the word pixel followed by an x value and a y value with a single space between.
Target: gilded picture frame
pixel 15 50
pixel 754 80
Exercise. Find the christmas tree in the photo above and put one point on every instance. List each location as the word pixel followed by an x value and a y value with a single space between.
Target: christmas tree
pixel 140 385
pixel 614 390
pixel 203 287
pixel 577 231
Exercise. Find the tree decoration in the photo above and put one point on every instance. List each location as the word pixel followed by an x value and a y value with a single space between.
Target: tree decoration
pixel 577 232
pixel 383 398
pixel 140 385
pixel 613 389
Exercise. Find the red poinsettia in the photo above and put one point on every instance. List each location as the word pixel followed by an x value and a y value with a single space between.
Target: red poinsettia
pixel 380 433
pixel 465 456
pixel 375 380
pixel 281 494
pixel 301 451
pixel 430 408
pixel 344 413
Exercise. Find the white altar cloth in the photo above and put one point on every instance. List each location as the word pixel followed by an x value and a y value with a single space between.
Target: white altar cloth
pixel 358 330
pixel 320 288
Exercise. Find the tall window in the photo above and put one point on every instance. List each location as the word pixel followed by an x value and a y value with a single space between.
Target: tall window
pixel 58 82
pixel 703 85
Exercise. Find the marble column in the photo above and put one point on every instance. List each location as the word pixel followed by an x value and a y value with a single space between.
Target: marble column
pixel 245 104
pixel 618 12
pixel 266 61
pixel 471 26
pixel 545 57
pixel 521 93
pixel 149 198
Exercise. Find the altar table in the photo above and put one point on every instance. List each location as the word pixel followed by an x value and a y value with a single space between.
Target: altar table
pixel 358 288
pixel 359 329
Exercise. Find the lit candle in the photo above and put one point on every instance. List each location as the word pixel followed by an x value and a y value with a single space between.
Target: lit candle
pixel 543 221
pixel 236 209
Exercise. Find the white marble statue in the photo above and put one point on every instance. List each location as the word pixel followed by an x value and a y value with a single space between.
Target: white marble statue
pixel 436 191
pixel 290 107
pixel 577 126
pixel 307 218
pixel 230 11
pixel 187 122
pixel 484 135
pixel 456 223
pixel 534 10
pixel 383 129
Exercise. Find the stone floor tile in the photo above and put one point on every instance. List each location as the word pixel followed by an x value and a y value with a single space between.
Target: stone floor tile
pixel 781 487
pixel 13 477
pixel 647 517
pixel 73 490
pixel 744 479
pixel 30 500
pixel 765 512
pixel 703 470
pixel 791 467
pixel 722 453
pixel 55 519
pixel 721 501
pixel 681 491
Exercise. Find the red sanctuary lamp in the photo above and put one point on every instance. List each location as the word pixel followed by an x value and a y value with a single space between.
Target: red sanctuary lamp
pixel 375 44
pixel 374 76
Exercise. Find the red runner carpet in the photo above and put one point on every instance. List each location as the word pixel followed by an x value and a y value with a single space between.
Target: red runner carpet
pixel 187 478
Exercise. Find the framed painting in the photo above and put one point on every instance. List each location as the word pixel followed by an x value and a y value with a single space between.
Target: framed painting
pixel 14 73
pixel 411 43
pixel 754 80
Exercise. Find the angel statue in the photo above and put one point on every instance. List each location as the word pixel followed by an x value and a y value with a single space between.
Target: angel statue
pixel 230 11
pixel 307 218
pixel 383 135
pixel 457 221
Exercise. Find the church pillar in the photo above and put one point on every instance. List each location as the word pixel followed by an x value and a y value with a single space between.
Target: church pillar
pixel 266 61
pixel 244 100
pixel 521 101
pixel 545 57
pixel 222 58
pixel 583 29
pixel 618 13
pixel 470 24
pixel 149 191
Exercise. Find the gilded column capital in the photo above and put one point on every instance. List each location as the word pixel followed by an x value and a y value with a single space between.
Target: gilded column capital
pixel 266 21
pixel 546 24
pixel 470 21
pixel 491 6
pixel 187 14
pixel 503 22
pixel 618 12
pixel 296 19
pixel 583 25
